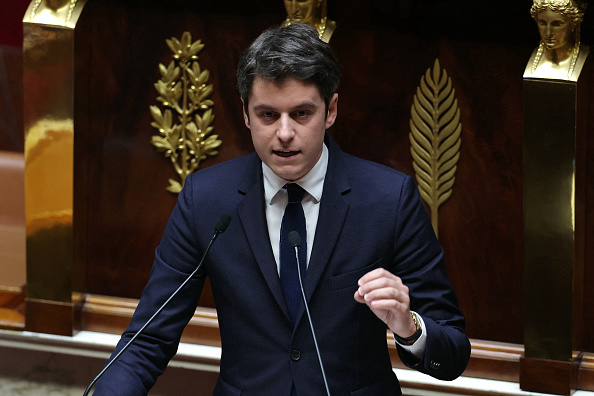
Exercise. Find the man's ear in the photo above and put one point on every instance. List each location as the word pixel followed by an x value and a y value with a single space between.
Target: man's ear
pixel 332 111
pixel 246 117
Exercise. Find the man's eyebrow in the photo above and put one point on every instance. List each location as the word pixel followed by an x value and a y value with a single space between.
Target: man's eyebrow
pixel 264 107
pixel 302 105
pixel 305 105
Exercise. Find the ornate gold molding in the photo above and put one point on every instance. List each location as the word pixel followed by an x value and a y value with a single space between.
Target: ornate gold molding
pixel 435 138
pixel 183 89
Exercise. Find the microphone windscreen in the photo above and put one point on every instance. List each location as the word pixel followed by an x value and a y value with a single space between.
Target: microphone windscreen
pixel 223 223
pixel 294 239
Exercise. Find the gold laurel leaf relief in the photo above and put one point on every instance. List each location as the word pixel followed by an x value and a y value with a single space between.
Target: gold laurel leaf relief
pixel 184 119
pixel 435 138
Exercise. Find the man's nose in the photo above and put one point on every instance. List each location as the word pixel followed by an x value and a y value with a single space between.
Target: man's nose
pixel 285 128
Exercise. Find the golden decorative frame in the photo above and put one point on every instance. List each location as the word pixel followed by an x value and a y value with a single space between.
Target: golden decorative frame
pixel 183 89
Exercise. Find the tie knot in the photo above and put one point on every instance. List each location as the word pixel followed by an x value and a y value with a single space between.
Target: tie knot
pixel 295 192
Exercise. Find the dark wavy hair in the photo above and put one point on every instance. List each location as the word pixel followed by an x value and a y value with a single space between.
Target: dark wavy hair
pixel 293 51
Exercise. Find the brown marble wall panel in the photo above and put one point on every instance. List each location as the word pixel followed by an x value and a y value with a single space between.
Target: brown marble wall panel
pixel 384 47
pixel 11 98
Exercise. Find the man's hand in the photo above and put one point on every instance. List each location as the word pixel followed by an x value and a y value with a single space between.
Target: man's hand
pixel 387 297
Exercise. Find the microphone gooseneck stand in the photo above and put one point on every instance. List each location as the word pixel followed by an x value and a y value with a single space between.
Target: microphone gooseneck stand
pixel 295 241
pixel 220 227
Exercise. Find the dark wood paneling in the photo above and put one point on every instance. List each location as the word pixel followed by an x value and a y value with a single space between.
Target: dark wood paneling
pixel 585 310
pixel 128 204
pixel 491 360
pixel 548 376
pixel 11 32
pixel 12 308
pixel 384 47
pixel 112 315
pixel 45 316
pixel 11 75
pixel 586 374
pixel 481 224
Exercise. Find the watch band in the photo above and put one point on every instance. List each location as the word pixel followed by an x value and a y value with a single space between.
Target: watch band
pixel 411 340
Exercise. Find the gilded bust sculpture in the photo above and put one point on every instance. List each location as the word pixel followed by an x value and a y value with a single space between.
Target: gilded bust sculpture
pixel 54 12
pixel 560 55
pixel 312 12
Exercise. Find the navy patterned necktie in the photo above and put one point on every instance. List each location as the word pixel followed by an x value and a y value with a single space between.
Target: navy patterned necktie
pixel 293 220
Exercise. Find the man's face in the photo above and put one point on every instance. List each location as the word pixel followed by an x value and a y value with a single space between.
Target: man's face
pixel 288 120
pixel 555 29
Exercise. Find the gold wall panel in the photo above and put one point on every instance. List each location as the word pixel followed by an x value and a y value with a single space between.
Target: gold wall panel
pixel 553 180
pixel 549 217
pixel 48 73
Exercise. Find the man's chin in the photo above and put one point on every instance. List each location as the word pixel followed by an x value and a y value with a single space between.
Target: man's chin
pixel 287 174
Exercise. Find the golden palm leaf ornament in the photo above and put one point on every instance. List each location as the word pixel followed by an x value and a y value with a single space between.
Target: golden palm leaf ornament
pixel 435 138
pixel 184 93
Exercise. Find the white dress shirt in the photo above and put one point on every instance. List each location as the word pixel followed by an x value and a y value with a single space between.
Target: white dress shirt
pixel 277 197
pixel 313 183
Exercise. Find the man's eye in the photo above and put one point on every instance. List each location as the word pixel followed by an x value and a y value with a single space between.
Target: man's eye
pixel 302 113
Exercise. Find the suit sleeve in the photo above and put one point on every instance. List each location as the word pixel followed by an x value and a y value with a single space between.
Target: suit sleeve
pixel 418 260
pixel 176 257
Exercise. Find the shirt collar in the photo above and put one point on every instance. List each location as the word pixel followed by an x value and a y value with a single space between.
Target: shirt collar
pixel 312 181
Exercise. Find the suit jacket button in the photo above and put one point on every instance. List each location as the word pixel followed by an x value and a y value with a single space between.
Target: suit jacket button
pixel 295 355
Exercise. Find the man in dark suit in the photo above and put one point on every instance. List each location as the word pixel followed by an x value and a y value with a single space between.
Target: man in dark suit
pixel 372 260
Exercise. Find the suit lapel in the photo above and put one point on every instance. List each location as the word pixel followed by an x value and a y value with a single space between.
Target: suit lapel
pixel 253 220
pixel 333 211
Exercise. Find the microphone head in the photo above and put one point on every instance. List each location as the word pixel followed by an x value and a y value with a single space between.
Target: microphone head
pixel 294 239
pixel 223 223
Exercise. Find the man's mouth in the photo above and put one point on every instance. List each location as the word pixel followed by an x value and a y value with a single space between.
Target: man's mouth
pixel 285 153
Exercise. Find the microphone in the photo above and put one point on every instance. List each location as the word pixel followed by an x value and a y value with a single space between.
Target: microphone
pixel 220 227
pixel 295 241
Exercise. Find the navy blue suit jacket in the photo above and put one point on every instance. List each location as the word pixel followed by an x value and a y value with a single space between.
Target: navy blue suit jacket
pixel 370 216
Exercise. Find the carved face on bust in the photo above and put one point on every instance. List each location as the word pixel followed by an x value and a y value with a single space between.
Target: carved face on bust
pixel 311 12
pixel 303 10
pixel 55 4
pixel 560 52
pixel 559 15
pixel 556 30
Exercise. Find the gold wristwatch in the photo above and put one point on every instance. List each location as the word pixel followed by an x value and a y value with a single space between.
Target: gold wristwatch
pixel 411 340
